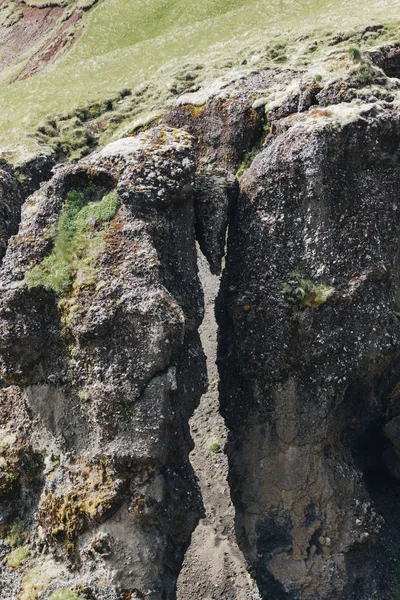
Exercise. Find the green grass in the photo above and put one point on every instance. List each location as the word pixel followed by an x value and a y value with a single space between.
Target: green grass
pixel 18 557
pixel 74 252
pixel 128 42
pixel 306 292
pixel 10 13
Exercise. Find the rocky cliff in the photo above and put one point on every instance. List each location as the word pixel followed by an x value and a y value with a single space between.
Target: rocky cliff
pixel 309 357
pixel 100 309
pixel 289 181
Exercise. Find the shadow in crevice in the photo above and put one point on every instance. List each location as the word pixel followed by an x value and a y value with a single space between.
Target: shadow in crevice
pixel 367 409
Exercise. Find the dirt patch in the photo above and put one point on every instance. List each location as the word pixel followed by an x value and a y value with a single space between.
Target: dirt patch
pixel 63 39
pixel 38 34
pixel 214 567
pixel 23 37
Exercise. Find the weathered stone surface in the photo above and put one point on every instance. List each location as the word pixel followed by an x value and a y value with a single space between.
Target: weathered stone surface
pixel 309 355
pixel 10 209
pixel 109 366
pixel 225 131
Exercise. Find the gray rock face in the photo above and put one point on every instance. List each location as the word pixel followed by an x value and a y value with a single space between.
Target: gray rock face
pixel 100 307
pixel 224 131
pixel 101 364
pixel 10 208
pixel 309 350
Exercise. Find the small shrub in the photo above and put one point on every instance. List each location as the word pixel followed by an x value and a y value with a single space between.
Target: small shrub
pixel 318 78
pixel 18 557
pixel 307 293
pixel 355 54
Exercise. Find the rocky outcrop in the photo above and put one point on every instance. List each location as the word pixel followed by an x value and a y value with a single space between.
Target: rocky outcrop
pixel 101 365
pixel 225 130
pixel 100 354
pixel 10 208
pixel 309 354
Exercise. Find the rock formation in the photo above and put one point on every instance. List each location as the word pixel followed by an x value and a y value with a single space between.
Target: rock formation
pixel 10 209
pixel 289 180
pixel 310 355
pixel 100 308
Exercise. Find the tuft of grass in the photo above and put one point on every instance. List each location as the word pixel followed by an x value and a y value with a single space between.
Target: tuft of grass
pixel 306 292
pixel 74 251
pixel 214 447
pixel 18 557
pixel 355 54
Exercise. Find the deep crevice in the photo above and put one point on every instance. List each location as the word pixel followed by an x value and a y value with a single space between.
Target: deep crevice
pixel 214 565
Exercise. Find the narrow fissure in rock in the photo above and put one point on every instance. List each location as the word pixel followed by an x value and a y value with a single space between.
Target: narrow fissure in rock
pixel 214 567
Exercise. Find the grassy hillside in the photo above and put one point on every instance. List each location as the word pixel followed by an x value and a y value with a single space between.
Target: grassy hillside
pixel 133 43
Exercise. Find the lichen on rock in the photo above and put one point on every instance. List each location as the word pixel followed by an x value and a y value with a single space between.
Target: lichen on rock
pixel 109 366
pixel 309 353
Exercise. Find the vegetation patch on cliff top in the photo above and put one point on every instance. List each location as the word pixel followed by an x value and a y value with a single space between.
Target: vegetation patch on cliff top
pixel 127 42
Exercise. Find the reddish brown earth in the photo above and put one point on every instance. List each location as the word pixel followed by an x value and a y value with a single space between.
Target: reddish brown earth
pixel 37 37
pixel 61 41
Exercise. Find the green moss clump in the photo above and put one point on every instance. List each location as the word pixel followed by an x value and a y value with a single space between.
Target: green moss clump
pixel 307 293
pixel 89 495
pixel 74 252
pixel 18 557
pixel 10 461
pixel 9 472
pixel 38 578
pixel 64 594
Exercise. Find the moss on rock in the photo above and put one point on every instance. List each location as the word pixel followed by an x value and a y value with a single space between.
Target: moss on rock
pixel 88 493
pixel 78 241
pixel 18 557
